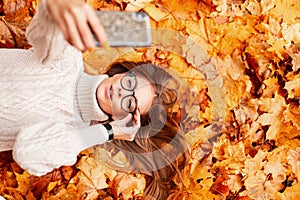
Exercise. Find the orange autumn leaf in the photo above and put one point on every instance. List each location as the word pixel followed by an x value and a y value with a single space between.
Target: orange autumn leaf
pixel 128 186
pixel 96 172
pixel 279 11
pixel 238 65
pixel 291 193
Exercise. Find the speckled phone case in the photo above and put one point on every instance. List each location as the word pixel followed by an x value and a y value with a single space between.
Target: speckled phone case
pixel 126 28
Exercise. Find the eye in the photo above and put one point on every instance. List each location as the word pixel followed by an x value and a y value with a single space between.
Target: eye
pixel 129 104
pixel 129 84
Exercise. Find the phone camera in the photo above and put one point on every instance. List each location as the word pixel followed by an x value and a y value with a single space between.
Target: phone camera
pixel 140 16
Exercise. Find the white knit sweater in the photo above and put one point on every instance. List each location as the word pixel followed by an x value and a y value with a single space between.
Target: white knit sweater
pixel 46 101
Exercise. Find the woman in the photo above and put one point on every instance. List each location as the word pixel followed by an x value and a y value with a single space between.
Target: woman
pixel 48 106
pixel 159 149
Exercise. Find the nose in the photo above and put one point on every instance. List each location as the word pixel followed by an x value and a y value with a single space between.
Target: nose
pixel 122 92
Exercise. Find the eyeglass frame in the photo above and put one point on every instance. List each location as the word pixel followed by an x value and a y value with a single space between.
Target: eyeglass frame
pixel 132 74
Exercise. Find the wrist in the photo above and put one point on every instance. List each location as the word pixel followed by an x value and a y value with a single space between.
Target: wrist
pixel 110 131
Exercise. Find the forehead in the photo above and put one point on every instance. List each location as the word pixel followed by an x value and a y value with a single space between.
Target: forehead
pixel 144 94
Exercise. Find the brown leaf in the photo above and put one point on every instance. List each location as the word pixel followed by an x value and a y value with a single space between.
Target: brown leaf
pixel 11 6
pixel 218 187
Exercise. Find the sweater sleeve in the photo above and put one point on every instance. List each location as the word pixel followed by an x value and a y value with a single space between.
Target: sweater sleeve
pixel 48 145
pixel 46 38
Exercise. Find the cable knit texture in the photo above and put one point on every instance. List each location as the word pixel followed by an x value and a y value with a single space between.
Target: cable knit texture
pixel 46 101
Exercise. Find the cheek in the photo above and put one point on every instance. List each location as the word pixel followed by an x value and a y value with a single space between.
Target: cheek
pixel 145 105
pixel 144 94
pixel 117 111
pixel 145 101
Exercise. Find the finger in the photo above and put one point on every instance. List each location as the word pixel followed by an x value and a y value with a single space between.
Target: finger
pixel 96 25
pixel 83 27
pixel 60 21
pixel 137 117
pixel 127 118
pixel 74 36
pixel 63 29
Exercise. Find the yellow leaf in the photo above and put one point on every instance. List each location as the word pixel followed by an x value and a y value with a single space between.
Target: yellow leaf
pixel 97 172
pixel 24 182
pixel 205 194
pixel 294 160
pixel 267 5
pixel 155 13
pixel 51 186
pixel 202 176
pixel 288 10
pixel 254 7
pixel 288 136
pixel 255 186
pixel 293 88
pixel 81 186
pixel 275 166
pixel 127 186
pixel 134 5
pixel 254 165
pixel 292 114
pixel 291 33
pixel 234 182
pixel 198 135
pixel 273 116
pixel 225 37
pixel 277 46
pixel 290 193
pixel 180 9
pixel 272 87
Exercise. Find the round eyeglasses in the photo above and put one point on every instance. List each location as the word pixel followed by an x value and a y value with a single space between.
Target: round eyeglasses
pixel 129 102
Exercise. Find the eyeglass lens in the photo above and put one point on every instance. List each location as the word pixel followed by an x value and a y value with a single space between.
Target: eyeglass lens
pixel 129 102
pixel 128 82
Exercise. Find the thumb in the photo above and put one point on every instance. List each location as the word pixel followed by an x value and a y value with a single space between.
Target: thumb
pixel 126 119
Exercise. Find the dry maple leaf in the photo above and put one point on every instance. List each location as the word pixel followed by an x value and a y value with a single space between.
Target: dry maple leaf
pixel 289 137
pixel 273 116
pixel 128 186
pixel 98 173
pixel 281 8
pixel 237 162
pixel 259 187
pixel 293 158
pixel 12 35
pixel 293 87
pixel 133 5
pixel 11 6
pixel 292 114
pixel 290 193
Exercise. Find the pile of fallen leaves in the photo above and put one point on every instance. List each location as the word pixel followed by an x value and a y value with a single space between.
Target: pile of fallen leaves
pixel 238 63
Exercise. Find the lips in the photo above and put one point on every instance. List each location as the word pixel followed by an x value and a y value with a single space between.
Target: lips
pixel 109 92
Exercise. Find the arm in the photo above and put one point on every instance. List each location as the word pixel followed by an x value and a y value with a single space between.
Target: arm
pixel 46 38
pixel 77 20
pixel 57 24
pixel 48 145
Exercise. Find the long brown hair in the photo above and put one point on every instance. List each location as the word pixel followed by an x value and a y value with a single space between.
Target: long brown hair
pixel 159 149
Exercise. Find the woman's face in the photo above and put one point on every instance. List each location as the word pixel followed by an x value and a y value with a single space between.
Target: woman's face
pixel 111 94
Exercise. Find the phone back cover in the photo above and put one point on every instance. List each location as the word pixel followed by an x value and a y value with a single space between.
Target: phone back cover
pixel 126 28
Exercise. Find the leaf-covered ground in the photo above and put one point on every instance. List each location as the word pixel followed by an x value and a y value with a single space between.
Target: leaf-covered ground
pixel 238 63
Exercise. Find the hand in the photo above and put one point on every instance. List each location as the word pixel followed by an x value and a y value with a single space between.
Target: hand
pixel 123 132
pixel 77 20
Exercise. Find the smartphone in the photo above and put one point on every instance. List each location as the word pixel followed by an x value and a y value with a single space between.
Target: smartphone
pixel 126 28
